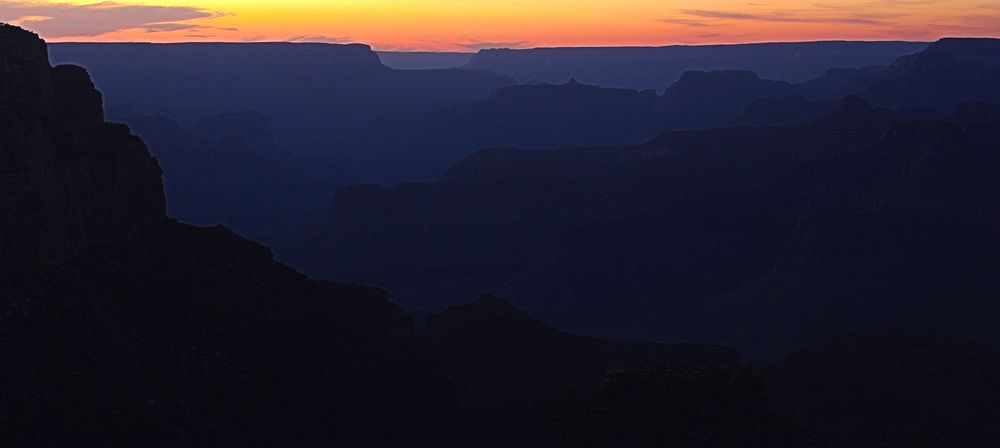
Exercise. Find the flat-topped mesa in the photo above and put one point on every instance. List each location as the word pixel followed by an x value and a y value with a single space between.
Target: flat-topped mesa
pixel 67 178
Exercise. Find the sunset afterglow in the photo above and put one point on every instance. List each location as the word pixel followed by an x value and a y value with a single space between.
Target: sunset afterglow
pixel 465 25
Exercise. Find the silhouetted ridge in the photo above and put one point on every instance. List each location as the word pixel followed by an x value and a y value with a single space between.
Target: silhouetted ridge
pixel 656 67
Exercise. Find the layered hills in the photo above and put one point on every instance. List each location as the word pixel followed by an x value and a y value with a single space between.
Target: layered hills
pixel 870 214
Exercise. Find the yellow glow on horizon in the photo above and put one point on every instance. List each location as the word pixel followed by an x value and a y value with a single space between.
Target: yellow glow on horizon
pixel 469 24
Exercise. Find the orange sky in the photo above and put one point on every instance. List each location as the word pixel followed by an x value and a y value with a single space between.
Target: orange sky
pixel 463 25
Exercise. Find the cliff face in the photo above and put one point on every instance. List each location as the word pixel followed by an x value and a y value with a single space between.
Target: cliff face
pixel 69 179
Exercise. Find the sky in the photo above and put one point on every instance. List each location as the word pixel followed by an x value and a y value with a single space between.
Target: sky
pixel 468 25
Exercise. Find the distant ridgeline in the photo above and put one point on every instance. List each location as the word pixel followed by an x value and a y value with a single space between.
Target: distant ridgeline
pixel 656 67
pixel 319 95
pixel 362 122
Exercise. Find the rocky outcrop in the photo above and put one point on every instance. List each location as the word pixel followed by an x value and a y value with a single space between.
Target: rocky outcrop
pixel 69 179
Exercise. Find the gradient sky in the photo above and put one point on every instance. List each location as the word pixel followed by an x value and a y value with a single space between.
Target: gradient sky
pixel 465 25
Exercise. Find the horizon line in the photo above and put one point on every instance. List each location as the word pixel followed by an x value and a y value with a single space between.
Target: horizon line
pixel 391 50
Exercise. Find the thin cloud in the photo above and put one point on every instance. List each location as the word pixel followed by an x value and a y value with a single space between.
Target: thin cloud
pixel 319 38
pixel 56 20
pixel 788 17
pixel 685 22
pixel 479 45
